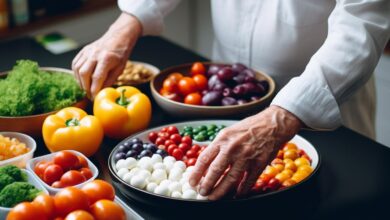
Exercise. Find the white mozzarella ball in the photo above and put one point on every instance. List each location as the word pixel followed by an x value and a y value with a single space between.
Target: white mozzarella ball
pixel 145 174
pixel 151 186
pixel 127 177
pixel 186 186
pixel 156 158
pixel 159 175
pixel 165 182
pixel 144 159
pixel 121 172
pixel 174 186
pixel 135 171
pixel 200 197
pixel 185 175
pixel 158 165
pixel 138 181
pixel 169 158
pixel 120 164
pixel 183 180
pixel 175 174
pixel 130 163
pixel 180 164
pixel 162 190
pixel 168 165
pixel 145 164
pixel 189 194
pixel 176 194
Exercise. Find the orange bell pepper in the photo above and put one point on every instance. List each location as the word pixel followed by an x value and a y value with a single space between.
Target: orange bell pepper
pixel 72 129
pixel 122 111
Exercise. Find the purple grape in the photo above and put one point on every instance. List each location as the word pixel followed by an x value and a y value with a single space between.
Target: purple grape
pixel 238 67
pixel 227 92
pixel 249 88
pixel 265 85
pixel 145 153
pixel 212 98
pixel 204 92
pixel 131 153
pixel 162 153
pixel 123 148
pixel 216 84
pixel 229 101
pixel 219 87
pixel 250 79
pixel 239 90
pixel 242 101
pixel 151 147
pixel 119 156
pixel 260 89
pixel 249 72
pixel 226 74
pixel 213 69
pixel 137 147
pixel 240 78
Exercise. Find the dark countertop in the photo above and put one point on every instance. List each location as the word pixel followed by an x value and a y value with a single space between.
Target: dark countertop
pixel 353 181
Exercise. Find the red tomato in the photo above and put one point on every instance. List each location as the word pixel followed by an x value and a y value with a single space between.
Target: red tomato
pixel 40 167
pixel 163 147
pixel 171 96
pixel 107 210
pixel 52 173
pixel 175 138
pixel 171 148
pixel 45 203
pixel 191 162
pixel 175 77
pixel 82 162
pixel 172 130
pixel 201 82
pixel 187 140
pixel 163 134
pixel 168 142
pixel 198 68
pixel 26 211
pixel 177 154
pixel 195 147
pixel 69 200
pixel 57 184
pixel 160 140
pixel 193 99
pixel 153 136
pixel 86 172
pixel 79 215
pixel 97 190
pixel 187 85
pixel 67 160
pixel 164 129
pixel 274 184
pixel 72 178
pixel 170 85
pixel 191 154
pixel 184 147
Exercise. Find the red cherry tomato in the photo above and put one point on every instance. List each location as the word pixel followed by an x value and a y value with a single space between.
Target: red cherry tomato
pixel 79 215
pixel 191 162
pixel 175 77
pixel 107 210
pixel 201 82
pixel 170 85
pixel 45 203
pixel 160 140
pixel 171 96
pixel 177 154
pixel 72 178
pixel 26 210
pixel 164 129
pixel 86 172
pixel 163 147
pixel 69 200
pixel 57 184
pixel 184 147
pixel 52 173
pixel 40 167
pixel 168 142
pixel 191 154
pixel 274 184
pixel 175 138
pixel 153 136
pixel 187 140
pixel 163 134
pixel 198 68
pixel 172 130
pixel 195 147
pixel 187 85
pixel 193 99
pixel 171 148
pixel 82 162
pixel 67 160
pixel 97 190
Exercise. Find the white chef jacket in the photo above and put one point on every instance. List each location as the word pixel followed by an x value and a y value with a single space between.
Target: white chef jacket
pixel 321 53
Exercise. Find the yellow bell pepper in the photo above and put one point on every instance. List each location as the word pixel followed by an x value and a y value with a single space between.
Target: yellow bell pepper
pixel 122 111
pixel 72 129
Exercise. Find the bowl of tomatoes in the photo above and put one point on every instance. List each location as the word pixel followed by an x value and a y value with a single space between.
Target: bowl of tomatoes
pixel 203 89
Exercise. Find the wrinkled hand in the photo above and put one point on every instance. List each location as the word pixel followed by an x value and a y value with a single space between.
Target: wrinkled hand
pixel 247 147
pixel 98 64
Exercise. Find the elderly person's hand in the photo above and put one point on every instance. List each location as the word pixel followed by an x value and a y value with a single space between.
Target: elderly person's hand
pixel 98 64
pixel 247 147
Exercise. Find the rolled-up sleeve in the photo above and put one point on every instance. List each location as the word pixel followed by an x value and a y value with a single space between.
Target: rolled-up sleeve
pixel 149 12
pixel 357 33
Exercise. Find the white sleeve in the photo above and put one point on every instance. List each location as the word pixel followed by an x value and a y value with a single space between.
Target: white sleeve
pixel 357 33
pixel 149 12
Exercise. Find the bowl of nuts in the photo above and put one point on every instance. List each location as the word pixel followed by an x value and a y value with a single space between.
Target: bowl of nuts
pixel 136 74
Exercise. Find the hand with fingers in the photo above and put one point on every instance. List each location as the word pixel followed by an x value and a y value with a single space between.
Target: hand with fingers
pixel 245 148
pixel 98 64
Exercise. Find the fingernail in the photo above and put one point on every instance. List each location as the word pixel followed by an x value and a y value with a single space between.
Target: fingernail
pixel 192 183
pixel 203 192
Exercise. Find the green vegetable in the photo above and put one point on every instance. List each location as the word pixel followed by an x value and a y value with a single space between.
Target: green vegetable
pixel 27 90
pixel 5 179
pixel 14 172
pixel 17 192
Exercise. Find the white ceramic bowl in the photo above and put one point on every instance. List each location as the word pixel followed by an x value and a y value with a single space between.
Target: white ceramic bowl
pixel 21 160
pixel 49 157
pixel 31 179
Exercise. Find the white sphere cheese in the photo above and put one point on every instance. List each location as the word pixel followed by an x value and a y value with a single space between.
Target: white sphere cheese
pixel 145 174
pixel 175 174
pixel 165 183
pixel 189 194
pixel 121 172
pixel 146 164
pixel 156 158
pixel 138 181
pixel 169 158
pixel 120 164
pixel 186 186
pixel 151 186
pixel 168 165
pixel 130 163
pixel 158 165
pixel 135 170
pixel 162 190
pixel 158 175
pixel 176 194
pixel 180 164
pixel 127 177
pixel 174 186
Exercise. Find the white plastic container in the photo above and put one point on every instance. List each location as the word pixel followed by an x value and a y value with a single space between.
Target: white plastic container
pixel 31 178
pixel 21 160
pixel 49 157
